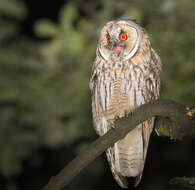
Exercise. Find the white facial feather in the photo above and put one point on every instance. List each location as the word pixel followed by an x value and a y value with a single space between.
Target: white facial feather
pixel 115 31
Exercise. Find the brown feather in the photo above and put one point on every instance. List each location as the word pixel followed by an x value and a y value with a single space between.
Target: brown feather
pixel 118 86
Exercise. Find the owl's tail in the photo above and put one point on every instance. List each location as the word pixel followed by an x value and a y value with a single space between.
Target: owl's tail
pixel 121 180
pixel 128 155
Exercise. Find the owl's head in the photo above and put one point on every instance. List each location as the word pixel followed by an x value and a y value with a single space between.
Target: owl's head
pixel 119 40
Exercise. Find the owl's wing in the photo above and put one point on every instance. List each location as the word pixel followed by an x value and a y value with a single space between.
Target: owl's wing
pixel 96 109
pixel 122 181
pixel 154 94
pixel 101 126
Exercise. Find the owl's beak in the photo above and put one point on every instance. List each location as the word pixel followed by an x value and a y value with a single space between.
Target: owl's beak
pixel 117 49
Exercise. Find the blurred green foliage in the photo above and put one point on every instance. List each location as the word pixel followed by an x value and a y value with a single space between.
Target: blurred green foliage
pixel 45 97
pixel 187 182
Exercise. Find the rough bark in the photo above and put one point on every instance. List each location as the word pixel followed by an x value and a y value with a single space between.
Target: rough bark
pixel 173 120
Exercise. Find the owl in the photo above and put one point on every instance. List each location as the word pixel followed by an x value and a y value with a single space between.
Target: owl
pixel 125 75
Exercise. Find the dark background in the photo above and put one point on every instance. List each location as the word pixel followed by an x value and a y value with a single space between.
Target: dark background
pixel 46 51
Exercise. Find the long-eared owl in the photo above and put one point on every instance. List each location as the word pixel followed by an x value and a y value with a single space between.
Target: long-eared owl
pixel 125 75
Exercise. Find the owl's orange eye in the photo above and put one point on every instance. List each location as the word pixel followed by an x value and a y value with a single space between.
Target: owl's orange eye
pixel 108 38
pixel 123 36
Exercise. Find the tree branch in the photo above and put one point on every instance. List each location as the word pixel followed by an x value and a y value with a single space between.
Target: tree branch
pixel 177 120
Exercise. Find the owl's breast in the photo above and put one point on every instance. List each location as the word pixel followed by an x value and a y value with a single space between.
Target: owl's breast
pixel 121 89
pixel 119 102
pixel 114 93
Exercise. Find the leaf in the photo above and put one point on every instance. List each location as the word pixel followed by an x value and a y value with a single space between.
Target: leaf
pixel 45 28
pixel 13 8
pixel 67 15
pixel 188 182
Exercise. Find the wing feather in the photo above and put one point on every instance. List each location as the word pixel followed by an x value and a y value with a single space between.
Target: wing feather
pixel 101 124
pixel 154 94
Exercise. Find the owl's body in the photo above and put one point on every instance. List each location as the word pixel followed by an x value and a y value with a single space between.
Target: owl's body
pixel 125 75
